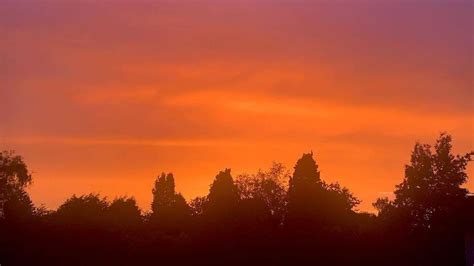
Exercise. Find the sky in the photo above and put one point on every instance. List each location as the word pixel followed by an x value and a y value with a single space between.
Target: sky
pixel 103 96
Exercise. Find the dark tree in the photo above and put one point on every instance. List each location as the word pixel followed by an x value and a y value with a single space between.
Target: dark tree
pixel 339 203
pixel 266 188
pixel 18 207
pixel 163 193
pixel 14 178
pixel 304 187
pixel 169 209
pixel 85 210
pixel 123 213
pixel 431 194
pixel 383 206
pixel 223 195
pixel 312 202
pixel 428 213
pixel 197 205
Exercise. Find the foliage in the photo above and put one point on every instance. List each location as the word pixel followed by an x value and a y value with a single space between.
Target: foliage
pixel 196 205
pixel 270 217
pixel 314 203
pixel 88 209
pixel 268 188
pixel 430 194
pixel 169 209
pixel 14 178
pixel 223 195
pixel 124 212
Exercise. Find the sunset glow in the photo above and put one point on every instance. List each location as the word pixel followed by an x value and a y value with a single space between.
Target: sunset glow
pixel 103 97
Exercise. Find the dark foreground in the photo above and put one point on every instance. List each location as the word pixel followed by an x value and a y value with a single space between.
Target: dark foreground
pixel 274 217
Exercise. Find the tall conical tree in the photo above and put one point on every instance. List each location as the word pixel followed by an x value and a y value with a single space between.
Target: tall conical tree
pixel 305 189
pixel 306 170
pixel 169 209
pixel 163 193
pixel 223 195
pixel 314 203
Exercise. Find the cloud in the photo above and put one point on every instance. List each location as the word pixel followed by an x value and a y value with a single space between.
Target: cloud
pixel 116 96
pixel 115 142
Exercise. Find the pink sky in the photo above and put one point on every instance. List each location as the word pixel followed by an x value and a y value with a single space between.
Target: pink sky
pixel 104 97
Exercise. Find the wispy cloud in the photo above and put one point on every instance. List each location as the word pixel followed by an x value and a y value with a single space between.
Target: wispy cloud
pixel 119 142
pixel 116 95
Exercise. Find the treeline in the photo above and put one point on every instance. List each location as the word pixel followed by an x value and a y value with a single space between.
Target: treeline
pixel 273 217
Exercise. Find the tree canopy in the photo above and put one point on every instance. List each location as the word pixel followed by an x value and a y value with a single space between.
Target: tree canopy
pixel 273 216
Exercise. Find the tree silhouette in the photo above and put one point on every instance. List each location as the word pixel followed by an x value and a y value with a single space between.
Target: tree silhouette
pixel 85 210
pixel 18 206
pixel 197 205
pixel 429 205
pixel 258 219
pixel 431 193
pixel 305 189
pixel 123 213
pixel 268 189
pixel 14 178
pixel 223 196
pixel 383 206
pixel 312 202
pixel 163 193
pixel 339 203
pixel 169 209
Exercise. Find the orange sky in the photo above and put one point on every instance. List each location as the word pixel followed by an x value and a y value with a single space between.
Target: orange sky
pixel 104 97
